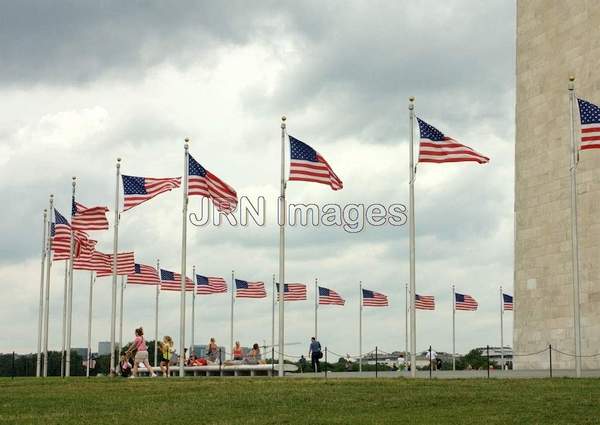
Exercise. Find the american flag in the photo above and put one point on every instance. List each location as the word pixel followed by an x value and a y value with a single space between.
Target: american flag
pixel 424 302
pixel 373 299
pixel 308 165
pixel 293 292
pixel 508 301
pixel 125 264
pixel 62 228
pixel 330 297
pixel 465 302
pixel 60 232
pixel 210 285
pixel 245 289
pixel 171 281
pixel 143 275
pixel 435 147
pixel 94 260
pixel 92 218
pixel 202 182
pixel 590 125
pixel 139 189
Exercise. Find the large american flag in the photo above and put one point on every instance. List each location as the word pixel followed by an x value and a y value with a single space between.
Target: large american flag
pixel 210 285
pixel 293 292
pixel 171 281
pixel 464 302
pixel 92 218
pixel 245 289
pixel 202 182
pixel 590 125
pixel 94 260
pixel 308 165
pixel 60 232
pixel 330 297
pixel 507 301
pixel 424 302
pixel 62 228
pixel 143 275
pixel 435 147
pixel 373 299
pixel 140 189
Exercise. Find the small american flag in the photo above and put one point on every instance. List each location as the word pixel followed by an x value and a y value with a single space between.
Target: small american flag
pixel 171 281
pixel 245 289
pixel 308 165
pixel 92 218
pixel 210 285
pixel 293 292
pixel 143 275
pixel 435 147
pixel 590 125
pixel 330 297
pixel 373 299
pixel 96 261
pixel 202 182
pixel 140 189
pixel 125 264
pixel 424 302
pixel 464 302
pixel 62 228
pixel 508 301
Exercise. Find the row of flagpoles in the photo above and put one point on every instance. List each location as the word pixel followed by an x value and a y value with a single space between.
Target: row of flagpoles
pixel 71 242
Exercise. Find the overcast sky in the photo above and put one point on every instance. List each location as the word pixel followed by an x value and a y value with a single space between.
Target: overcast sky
pixel 83 84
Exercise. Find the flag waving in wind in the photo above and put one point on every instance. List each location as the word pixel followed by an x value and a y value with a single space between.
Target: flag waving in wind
pixel 245 289
pixel 92 218
pixel 210 285
pixel 171 281
pixel 507 301
pixel 140 189
pixel 373 299
pixel 143 275
pixel 308 165
pixel 590 125
pixel 437 148
pixel 330 297
pixel 465 302
pixel 293 292
pixel 202 182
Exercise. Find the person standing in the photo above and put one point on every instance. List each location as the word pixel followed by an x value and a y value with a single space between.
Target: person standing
pixel 431 356
pixel 315 353
pixel 166 349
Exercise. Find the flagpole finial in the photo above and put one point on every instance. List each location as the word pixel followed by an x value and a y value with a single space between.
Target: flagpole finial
pixel 118 163
pixel 51 196
pixel 411 103
pixel 571 83
pixel 283 118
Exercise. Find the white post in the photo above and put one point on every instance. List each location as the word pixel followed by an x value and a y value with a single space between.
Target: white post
pixel 121 314
pixel 38 364
pixel 574 236
pixel 411 223
pixel 70 291
pixel 64 320
pixel 360 302
pixel 193 310
pixel 113 314
pixel 282 221
pixel 156 315
pixel 406 328
pixel 273 319
pixel 233 289
pixel 316 307
pixel 501 330
pixel 453 329
pixel 47 288
pixel 183 261
pixel 89 335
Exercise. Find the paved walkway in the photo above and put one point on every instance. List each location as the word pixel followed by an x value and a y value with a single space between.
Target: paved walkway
pixel 459 374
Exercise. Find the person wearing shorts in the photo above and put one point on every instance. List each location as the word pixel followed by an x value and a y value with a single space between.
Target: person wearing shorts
pixel 141 355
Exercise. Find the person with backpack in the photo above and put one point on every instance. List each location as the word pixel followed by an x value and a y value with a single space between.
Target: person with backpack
pixel 315 353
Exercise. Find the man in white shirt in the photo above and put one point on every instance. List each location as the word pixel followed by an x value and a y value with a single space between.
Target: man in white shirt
pixel 431 356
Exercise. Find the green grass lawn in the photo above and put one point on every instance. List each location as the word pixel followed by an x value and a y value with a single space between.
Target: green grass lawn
pixel 298 401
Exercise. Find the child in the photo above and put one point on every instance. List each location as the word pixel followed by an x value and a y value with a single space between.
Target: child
pixel 125 366
pixel 166 348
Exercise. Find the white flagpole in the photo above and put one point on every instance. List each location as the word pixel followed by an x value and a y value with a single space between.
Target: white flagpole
pixel 233 288
pixel 121 314
pixel 282 221
pixel 47 289
pixel 64 320
pixel 156 315
pixel 273 318
pixel 113 314
pixel 411 222
pixel 316 307
pixel 38 364
pixel 406 328
pixel 574 235
pixel 89 335
pixel 453 329
pixel 360 302
pixel 183 261
pixel 193 309
pixel 501 329
pixel 70 291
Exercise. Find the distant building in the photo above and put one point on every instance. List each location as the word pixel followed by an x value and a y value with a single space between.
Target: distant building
pixel 496 355
pixel 103 348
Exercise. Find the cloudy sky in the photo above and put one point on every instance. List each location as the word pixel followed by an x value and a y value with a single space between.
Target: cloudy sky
pixel 83 84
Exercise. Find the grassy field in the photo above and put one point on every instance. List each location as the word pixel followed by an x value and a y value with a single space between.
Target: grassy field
pixel 290 401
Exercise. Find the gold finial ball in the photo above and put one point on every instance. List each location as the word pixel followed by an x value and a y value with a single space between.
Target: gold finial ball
pixel 411 99
pixel 51 196
pixel 45 210
pixel 571 78
pixel 283 118
pixel 118 159
pixel 187 140
pixel 74 178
